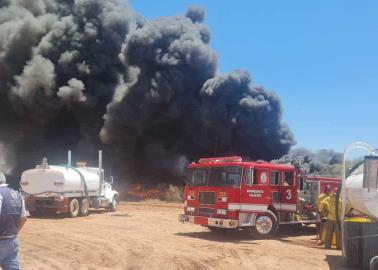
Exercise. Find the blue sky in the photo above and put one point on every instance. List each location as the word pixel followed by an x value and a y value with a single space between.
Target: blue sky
pixel 320 57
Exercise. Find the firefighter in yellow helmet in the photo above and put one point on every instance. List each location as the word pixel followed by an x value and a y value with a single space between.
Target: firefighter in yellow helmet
pixel 328 208
pixel 321 197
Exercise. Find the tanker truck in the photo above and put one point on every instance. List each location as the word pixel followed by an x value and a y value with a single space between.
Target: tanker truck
pixel 357 208
pixel 67 189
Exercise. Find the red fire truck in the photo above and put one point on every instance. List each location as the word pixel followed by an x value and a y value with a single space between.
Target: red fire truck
pixel 228 193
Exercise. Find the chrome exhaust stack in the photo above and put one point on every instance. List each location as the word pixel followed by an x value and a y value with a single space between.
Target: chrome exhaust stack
pixel 69 160
pixel 100 171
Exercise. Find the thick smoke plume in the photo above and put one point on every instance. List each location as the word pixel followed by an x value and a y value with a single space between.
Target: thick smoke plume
pixel 90 74
pixel 322 162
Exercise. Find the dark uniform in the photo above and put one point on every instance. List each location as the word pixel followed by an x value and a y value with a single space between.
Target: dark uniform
pixel 12 209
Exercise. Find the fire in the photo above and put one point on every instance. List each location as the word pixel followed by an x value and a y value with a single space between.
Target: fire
pixel 161 191
pixel 139 192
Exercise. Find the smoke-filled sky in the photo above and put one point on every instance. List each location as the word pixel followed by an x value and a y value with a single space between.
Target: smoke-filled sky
pixel 323 162
pixel 90 74
pixel 319 56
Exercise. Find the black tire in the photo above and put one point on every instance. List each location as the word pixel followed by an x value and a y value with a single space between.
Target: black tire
pixel 369 244
pixel 113 205
pixel 352 249
pixel 73 208
pixel 266 226
pixel 84 207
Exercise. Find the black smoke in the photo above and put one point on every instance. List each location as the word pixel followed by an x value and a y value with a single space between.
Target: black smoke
pixel 323 162
pixel 90 74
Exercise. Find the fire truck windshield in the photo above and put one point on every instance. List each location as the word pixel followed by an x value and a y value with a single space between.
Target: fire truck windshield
pixel 225 176
pixel 216 176
pixel 198 177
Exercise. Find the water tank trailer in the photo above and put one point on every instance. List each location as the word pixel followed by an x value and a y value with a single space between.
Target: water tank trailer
pixel 67 189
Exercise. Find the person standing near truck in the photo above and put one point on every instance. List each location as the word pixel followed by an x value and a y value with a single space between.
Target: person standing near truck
pixel 12 219
pixel 328 207
pixel 321 197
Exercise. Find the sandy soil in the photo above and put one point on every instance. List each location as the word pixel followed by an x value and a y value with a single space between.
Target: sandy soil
pixel 147 235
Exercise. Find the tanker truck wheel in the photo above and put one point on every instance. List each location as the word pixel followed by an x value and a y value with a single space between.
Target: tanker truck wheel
pixel 266 226
pixel 73 208
pixel 84 207
pixel 113 205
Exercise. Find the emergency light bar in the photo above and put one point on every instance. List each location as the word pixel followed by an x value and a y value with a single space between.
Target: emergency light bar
pixel 220 159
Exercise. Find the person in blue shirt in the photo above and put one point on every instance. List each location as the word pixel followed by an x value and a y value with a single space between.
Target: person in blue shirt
pixel 12 219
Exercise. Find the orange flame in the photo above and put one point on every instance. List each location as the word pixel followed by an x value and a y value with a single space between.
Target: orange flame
pixel 139 192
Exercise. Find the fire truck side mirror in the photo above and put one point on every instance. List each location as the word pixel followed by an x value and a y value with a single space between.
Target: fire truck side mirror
pixel 370 172
pixel 301 183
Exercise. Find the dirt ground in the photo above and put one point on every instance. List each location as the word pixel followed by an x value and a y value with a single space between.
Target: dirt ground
pixel 147 235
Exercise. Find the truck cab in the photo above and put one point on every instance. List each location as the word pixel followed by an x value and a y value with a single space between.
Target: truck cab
pixel 256 196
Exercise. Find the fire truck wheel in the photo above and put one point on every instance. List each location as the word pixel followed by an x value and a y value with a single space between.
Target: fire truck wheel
pixel 266 226
pixel 73 208
pixel 84 207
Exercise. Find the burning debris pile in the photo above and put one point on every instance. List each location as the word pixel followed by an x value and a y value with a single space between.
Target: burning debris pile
pixel 162 191
pixel 90 74
pixel 323 162
pixel 139 192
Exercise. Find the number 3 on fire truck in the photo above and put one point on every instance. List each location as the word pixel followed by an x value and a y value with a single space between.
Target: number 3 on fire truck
pixel 288 194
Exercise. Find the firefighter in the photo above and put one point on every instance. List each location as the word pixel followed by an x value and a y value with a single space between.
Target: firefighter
pixel 328 207
pixel 321 197
pixel 12 219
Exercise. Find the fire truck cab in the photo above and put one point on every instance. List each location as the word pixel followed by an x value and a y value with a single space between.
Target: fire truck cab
pixel 228 193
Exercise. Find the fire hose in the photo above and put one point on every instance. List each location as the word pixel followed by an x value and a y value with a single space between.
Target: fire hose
pixel 82 179
pixel 338 221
